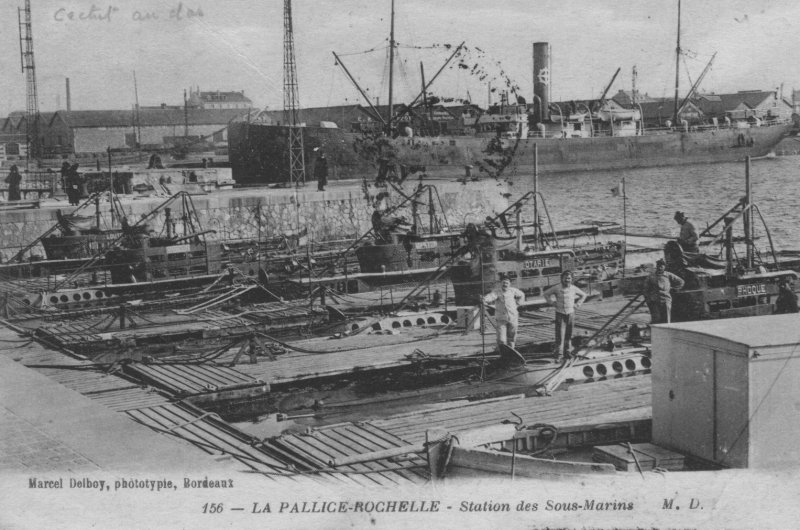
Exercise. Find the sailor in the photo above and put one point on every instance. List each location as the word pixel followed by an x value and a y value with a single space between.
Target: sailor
pixel 377 223
pixel 250 347
pixel 437 298
pixel 688 236
pixel 566 298
pixel 64 172
pixel 602 273
pixel 73 185
pixel 506 299
pixel 13 179
pixel 787 299
pixel 155 162
pixel 383 171
pixel 657 289
pixel 321 170
pixel 408 243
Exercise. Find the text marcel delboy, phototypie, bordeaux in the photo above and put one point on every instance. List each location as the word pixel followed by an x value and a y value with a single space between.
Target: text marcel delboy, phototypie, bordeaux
pixel 330 506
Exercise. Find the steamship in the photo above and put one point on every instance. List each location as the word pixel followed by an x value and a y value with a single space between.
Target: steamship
pixel 500 141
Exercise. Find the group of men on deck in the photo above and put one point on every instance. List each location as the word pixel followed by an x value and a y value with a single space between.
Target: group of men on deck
pixel 566 297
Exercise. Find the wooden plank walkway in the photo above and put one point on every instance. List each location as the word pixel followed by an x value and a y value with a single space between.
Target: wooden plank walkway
pixel 88 380
pixel 85 331
pixel 316 449
pixel 538 326
pixel 131 398
pixel 96 333
pixel 154 410
pixel 213 436
pixel 326 357
pixel 184 379
pixel 369 352
pixel 84 377
pixel 624 399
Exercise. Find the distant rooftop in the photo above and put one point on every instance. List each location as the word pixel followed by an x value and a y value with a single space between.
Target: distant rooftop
pixel 198 98
pixel 224 96
pixel 147 117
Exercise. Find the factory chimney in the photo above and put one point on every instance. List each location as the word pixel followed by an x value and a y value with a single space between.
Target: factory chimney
pixel 69 99
pixel 541 80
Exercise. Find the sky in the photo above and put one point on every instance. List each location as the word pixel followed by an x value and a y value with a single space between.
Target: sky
pixel 238 45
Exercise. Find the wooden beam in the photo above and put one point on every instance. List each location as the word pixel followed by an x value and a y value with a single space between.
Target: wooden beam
pixel 375 455
pixel 524 466
pixel 485 435
pixel 469 438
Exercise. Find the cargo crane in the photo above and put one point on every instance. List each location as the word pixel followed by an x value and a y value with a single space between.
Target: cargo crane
pixel 29 69
pixel 608 86
pixel 696 84
pixel 291 102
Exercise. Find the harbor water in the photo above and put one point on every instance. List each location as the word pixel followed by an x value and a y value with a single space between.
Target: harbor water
pixel 704 192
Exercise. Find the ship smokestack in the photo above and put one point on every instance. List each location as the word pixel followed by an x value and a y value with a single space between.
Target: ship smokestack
pixel 541 80
pixel 69 99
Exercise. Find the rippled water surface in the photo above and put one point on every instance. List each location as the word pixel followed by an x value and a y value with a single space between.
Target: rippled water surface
pixel 703 192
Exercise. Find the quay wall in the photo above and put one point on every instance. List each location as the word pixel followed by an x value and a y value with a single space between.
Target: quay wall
pixel 341 212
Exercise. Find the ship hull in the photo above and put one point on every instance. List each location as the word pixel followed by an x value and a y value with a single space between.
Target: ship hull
pixel 258 152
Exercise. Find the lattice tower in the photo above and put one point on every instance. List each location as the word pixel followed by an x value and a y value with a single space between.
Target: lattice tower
pixel 291 102
pixel 29 69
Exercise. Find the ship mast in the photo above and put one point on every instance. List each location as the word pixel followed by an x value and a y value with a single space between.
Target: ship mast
pixel 391 74
pixel 406 107
pixel 677 65
pixel 749 232
pixel 137 124
pixel 537 230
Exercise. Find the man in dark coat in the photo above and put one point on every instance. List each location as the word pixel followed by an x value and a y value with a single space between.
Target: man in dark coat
pixel 787 299
pixel 321 171
pixel 13 179
pixel 64 172
pixel 74 185
pixel 688 236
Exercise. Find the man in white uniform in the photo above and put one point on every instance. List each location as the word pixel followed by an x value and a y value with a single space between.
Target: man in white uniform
pixel 506 299
pixel 566 297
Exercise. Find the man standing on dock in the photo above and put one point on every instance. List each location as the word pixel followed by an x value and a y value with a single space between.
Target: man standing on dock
pixel 688 236
pixel 13 179
pixel 321 170
pixel 506 299
pixel 657 289
pixel 566 298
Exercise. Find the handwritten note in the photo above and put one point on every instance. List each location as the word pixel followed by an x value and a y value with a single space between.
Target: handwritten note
pixel 112 13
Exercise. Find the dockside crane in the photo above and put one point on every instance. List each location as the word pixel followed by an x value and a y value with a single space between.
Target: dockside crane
pixel 291 102
pixel 29 69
